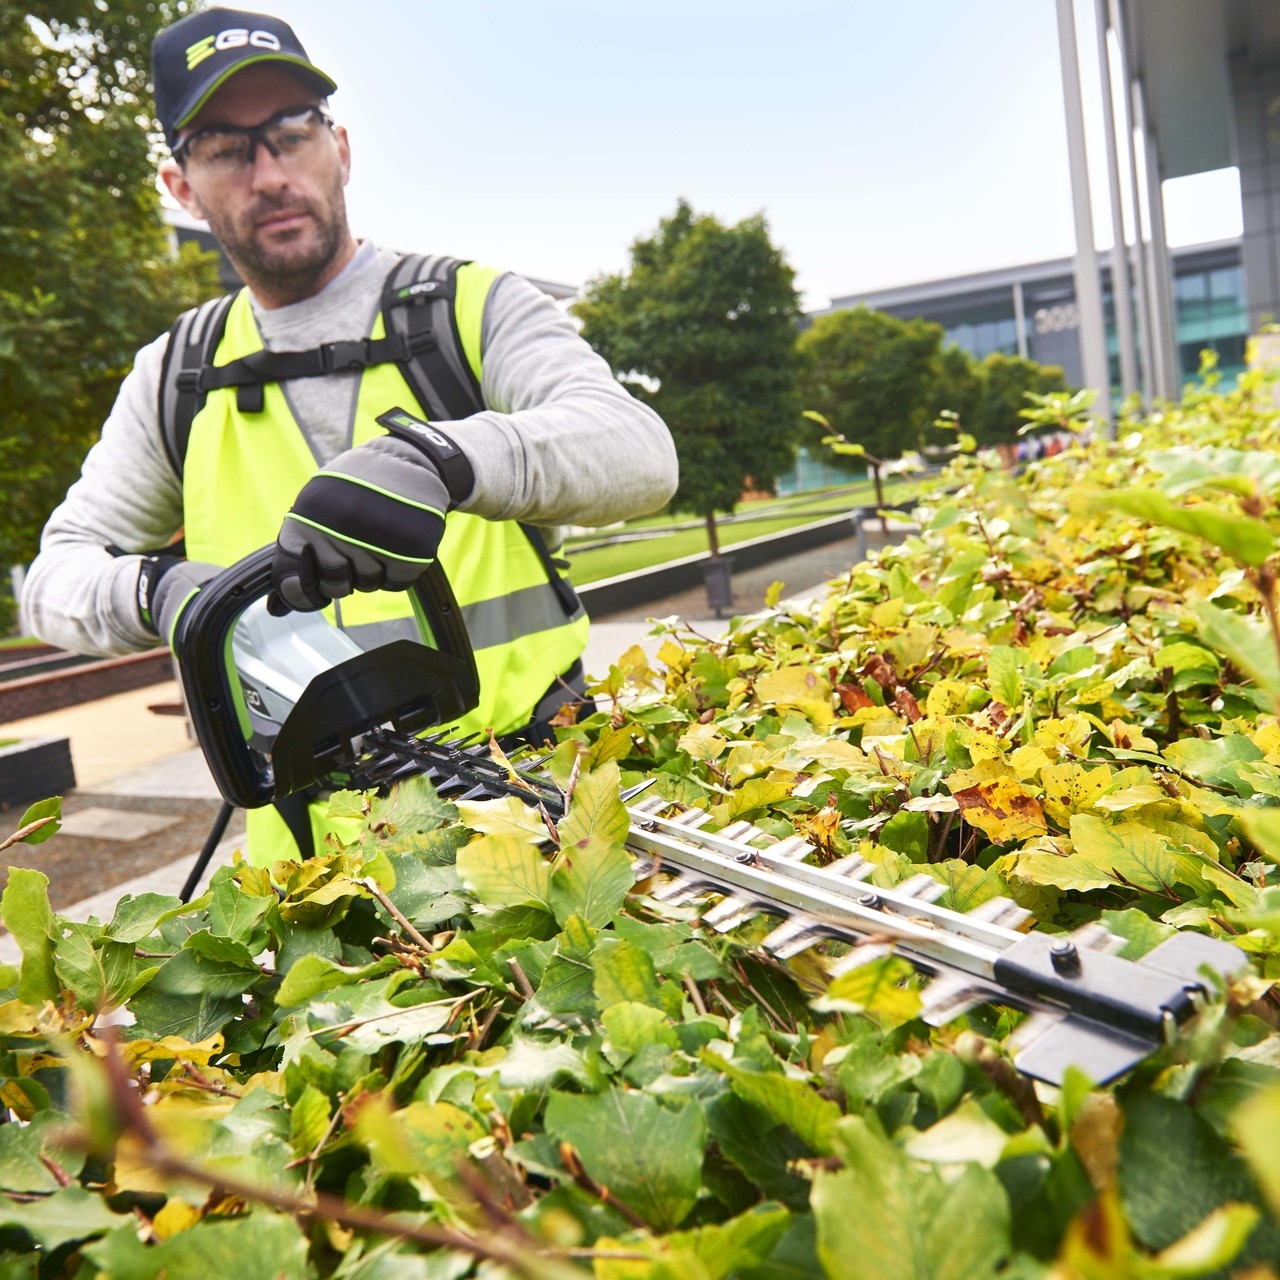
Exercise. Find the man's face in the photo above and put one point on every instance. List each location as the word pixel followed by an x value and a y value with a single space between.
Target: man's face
pixel 282 219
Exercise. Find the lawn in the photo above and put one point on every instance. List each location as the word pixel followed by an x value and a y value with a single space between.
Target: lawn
pixel 664 538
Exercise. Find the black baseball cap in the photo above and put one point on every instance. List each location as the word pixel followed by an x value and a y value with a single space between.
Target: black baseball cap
pixel 197 54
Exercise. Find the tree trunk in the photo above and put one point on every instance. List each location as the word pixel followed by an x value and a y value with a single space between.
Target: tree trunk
pixel 713 536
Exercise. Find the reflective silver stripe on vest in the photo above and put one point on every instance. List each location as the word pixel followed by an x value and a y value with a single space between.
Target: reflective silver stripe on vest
pixel 373 635
pixel 519 613
pixel 489 622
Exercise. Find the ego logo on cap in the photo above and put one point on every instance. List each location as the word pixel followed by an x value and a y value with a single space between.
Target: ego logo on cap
pixel 231 38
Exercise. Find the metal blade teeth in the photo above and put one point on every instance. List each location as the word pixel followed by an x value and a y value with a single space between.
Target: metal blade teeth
pixel 859 956
pixel 923 887
pixel 950 995
pixel 1097 937
pixel 1000 911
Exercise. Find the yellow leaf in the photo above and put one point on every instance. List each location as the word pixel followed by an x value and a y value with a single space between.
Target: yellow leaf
pixel 674 656
pixel 947 698
pixel 1066 736
pixel 1002 809
pixel 702 742
pixel 874 987
pixel 507 817
pixel 505 871
pixel 175 1216
pixel 1070 788
pixel 983 771
pixel 803 688
pixel 1027 761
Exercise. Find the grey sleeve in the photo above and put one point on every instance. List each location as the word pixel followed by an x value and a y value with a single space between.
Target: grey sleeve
pixel 77 594
pixel 562 441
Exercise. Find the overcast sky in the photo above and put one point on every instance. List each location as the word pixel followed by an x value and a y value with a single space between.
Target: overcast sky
pixel 885 142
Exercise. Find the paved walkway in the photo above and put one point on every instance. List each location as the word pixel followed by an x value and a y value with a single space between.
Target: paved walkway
pixel 144 801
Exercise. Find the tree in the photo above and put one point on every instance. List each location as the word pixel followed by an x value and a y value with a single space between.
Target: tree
pixel 702 327
pixel 873 376
pixel 1005 383
pixel 86 273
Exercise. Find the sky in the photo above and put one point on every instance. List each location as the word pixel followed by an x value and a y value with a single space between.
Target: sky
pixel 885 142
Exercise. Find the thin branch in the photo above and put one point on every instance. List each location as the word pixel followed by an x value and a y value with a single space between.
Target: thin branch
pixel 395 913
pixel 569 1158
pixel 695 995
pixel 522 979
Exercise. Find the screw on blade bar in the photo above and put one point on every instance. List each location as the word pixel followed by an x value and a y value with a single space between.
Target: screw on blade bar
pixel 1089 1007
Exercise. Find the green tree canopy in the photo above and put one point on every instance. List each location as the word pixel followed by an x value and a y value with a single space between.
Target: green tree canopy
pixel 86 272
pixel 876 378
pixel 1005 381
pixel 702 327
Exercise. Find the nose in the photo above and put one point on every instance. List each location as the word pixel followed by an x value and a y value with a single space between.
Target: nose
pixel 267 171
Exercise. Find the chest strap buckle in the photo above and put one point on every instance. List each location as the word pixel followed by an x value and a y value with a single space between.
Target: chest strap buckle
pixel 342 357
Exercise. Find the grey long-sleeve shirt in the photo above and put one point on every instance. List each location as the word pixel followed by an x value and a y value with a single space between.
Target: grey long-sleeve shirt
pixel 561 442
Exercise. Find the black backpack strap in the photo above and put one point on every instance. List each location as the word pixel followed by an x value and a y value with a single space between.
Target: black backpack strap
pixel 417 305
pixel 193 340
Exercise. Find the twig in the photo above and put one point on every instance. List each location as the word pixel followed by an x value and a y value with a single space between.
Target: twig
pixel 572 785
pixel 522 979
pixel 395 913
pixel 477 1038
pixel 321 1203
pixel 29 830
pixel 569 1158
pixel 694 995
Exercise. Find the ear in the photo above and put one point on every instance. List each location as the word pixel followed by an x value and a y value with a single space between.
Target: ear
pixel 177 185
pixel 344 151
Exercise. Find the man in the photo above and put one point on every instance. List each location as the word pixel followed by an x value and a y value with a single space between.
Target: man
pixel 202 442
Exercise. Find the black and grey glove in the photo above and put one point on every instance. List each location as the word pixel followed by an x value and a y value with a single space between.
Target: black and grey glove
pixel 372 520
pixel 166 584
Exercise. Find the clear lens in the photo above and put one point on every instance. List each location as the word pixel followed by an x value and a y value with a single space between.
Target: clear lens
pixel 289 135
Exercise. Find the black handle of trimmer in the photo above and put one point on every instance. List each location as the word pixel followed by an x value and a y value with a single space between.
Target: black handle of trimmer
pixel 411 685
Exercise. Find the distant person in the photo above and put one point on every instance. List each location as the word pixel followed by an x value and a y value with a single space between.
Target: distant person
pixel 253 421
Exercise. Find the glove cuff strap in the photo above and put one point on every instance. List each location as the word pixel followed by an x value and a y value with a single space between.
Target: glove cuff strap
pixel 453 465
pixel 150 571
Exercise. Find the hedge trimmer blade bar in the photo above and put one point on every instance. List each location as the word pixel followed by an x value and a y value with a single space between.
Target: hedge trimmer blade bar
pixel 1090 1008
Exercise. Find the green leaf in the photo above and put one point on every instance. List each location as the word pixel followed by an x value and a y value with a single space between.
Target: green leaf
pixel 648 1155
pixel 258 1246
pixel 624 973
pixel 42 809
pixel 1110 853
pixel 24 907
pixel 901 1223
pixel 22 1145
pixel 505 870
pixel 308 1120
pixel 99 972
pixel 1216 761
pixel 596 809
pixel 311 975
pixel 1249 541
pixel 794 1103
pixel 1175 1170
pixel 1004 675
pixel 590 878
pixel 727 1248
pixel 1249 644
pixel 233 912
pixel 70 1213
pixel 138 918
pixel 1140 932
pixel 876 987
pixel 632 1027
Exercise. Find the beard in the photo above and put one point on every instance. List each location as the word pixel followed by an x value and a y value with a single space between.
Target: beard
pixel 291 265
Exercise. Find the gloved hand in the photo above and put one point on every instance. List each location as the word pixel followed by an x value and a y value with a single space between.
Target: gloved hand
pixel 165 585
pixel 370 521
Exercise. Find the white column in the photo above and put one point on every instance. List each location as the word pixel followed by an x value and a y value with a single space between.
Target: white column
pixel 1093 342
pixel 1141 277
pixel 1119 258
pixel 1164 321
pixel 1020 320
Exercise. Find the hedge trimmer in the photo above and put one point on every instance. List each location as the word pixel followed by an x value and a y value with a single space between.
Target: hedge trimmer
pixel 282 705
